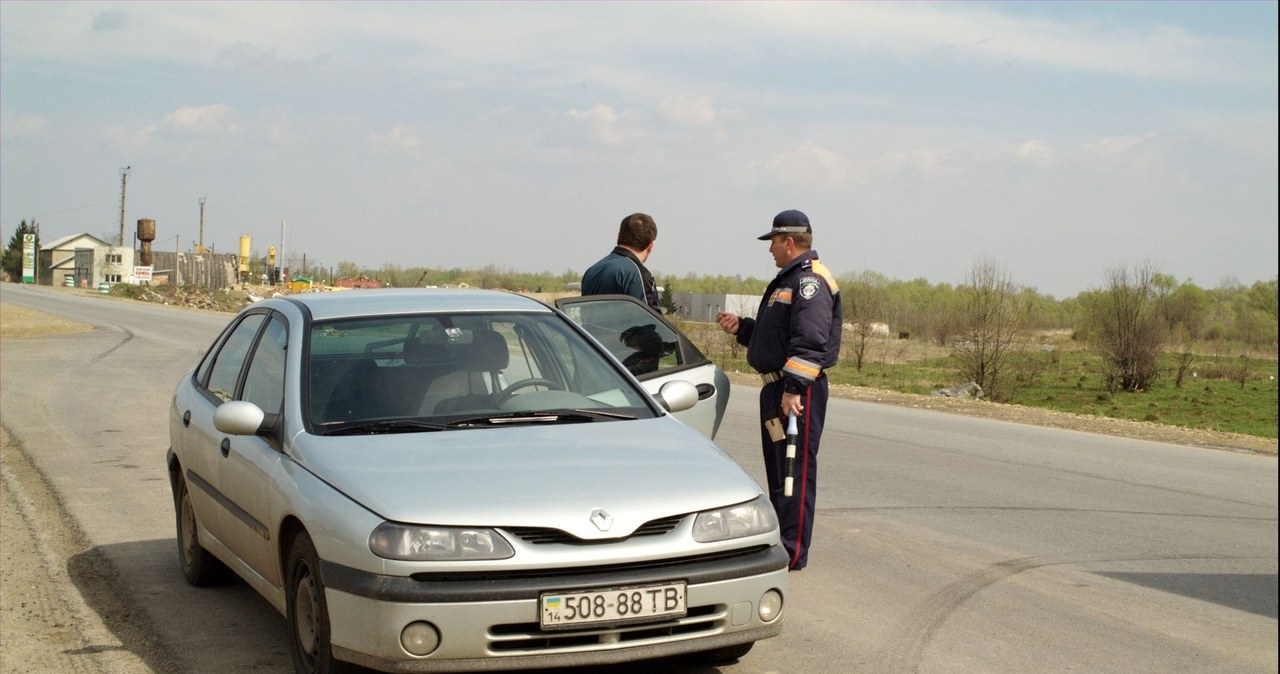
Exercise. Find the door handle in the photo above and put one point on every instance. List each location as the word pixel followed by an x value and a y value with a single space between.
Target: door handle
pixel 186 418
pixel 226 447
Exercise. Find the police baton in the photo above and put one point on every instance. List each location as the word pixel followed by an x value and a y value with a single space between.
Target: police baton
pixel 791 454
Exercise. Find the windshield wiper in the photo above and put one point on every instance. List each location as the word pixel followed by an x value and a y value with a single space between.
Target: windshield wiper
pixel 387 426
pixel 564 416
pixel 603 413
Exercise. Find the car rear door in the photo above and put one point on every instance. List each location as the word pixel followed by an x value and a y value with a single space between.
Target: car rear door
pixel 654 351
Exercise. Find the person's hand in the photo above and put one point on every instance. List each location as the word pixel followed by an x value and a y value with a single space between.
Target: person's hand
pixel 728 322
pixel 791 403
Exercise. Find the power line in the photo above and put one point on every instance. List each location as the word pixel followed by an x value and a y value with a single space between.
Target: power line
pixel 65 210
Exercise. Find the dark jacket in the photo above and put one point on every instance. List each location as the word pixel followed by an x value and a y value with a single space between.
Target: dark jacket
pixel 797 328
pixel 621 273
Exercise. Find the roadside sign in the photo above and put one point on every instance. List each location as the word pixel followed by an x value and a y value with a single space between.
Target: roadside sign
pixel 28 258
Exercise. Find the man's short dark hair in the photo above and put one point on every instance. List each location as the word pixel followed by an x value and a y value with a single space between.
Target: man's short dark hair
pixel 637 231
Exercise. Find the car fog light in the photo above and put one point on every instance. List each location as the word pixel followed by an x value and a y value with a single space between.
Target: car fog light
pixel 770 606
pixel 419 638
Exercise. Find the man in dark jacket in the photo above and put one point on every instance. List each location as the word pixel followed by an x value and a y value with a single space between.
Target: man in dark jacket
pixel 622 271
pixel 793 338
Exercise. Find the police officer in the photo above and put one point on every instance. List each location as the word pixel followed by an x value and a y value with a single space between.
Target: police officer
pixel 793 339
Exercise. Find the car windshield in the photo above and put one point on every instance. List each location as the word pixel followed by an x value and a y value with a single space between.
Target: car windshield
pixel 458 370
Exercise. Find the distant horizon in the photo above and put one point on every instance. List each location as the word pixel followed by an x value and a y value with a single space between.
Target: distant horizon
pixel 662 277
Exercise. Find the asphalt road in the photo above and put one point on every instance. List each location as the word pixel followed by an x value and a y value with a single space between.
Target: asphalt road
pixel 943 543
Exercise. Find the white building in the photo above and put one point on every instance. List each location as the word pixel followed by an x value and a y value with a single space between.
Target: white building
pixel 86 260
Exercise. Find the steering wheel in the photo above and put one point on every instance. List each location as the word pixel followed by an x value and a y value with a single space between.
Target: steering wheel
pixel 507 393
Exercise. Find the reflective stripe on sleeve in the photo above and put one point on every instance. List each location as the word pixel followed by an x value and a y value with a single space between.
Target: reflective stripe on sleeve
pixel 802 368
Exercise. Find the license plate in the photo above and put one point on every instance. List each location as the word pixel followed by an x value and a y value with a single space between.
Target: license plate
pixel 561 610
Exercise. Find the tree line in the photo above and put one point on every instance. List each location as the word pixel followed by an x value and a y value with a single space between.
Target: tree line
pixel 988 321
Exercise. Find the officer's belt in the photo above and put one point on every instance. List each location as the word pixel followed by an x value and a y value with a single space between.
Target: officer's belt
pixel 770 377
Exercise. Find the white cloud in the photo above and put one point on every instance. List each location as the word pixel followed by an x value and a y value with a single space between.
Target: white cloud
pixel 201 119
pixel 923 160
pixel 806 164
pixel 692 110
pixel 603 121
pixel 127 141
pixel 1035 153
pixel 1119 146
pixel 26 126
pixel 399 139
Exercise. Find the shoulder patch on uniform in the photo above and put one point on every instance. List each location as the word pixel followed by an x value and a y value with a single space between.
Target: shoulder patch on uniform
pixel 825 273
pixel 809 287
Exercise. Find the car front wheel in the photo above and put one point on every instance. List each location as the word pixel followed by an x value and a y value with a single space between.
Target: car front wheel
pixel 308 611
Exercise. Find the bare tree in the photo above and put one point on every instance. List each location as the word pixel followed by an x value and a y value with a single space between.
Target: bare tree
pixel 993 331
pixel 864 298
pixel 1129 326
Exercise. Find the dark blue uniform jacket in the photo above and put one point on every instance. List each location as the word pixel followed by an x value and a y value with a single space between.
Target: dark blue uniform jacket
pixel 797 328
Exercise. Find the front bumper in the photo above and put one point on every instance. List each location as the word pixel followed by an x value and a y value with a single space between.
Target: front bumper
pixel 490 622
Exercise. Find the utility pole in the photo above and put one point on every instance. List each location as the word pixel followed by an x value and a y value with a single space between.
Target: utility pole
pixel 283 273
pixel 200 246
pixel 124 181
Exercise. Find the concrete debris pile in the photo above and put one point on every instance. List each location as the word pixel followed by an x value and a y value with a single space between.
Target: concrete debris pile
pixel 228 300
pixel 971 391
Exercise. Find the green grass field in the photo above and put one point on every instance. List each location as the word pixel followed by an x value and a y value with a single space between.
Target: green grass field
pixel 1231 393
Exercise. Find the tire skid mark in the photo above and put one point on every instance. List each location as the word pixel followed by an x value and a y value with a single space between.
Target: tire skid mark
pixel 913 635
pixel 922 622
pixel 128 336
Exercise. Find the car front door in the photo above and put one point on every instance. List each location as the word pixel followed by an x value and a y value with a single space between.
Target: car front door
pixel 653 350
pixel 249 461
pixel 202 443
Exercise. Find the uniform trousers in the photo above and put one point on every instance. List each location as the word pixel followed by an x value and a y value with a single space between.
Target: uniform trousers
pixel 795 513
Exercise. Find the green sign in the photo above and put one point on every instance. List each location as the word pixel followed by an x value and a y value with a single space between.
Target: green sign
pixel 28 258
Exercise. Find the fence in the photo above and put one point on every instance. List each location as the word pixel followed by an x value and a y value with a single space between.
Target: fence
pixel 206 270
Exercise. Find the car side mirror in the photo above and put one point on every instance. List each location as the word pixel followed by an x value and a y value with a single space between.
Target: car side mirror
pixel 677 396
pixel 239 417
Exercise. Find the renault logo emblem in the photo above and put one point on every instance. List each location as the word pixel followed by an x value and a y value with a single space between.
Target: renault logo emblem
pixel 601 519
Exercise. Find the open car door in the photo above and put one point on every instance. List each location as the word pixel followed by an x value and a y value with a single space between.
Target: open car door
pixel 653 350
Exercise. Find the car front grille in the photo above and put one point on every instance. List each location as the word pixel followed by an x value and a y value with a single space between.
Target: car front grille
pixel 529 638
pixel 546 536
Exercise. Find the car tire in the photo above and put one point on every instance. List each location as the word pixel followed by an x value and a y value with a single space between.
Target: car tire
pixel 200 567
pixel 727 654
pixel 308 611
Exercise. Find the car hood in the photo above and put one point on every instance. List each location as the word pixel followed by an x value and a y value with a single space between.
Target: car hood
pixel 539 475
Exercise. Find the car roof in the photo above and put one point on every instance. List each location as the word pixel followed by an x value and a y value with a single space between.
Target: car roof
pixel 396 301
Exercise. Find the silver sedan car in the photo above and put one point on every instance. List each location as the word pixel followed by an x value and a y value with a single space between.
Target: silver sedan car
pixel 450 480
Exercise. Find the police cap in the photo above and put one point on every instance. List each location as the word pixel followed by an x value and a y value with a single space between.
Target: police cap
pixel 788 222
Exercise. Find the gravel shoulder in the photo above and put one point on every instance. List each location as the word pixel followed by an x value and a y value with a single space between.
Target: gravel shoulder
pixel 56 599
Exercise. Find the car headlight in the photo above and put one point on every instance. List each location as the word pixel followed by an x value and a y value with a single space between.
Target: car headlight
pixel 739 521
pixel 437 544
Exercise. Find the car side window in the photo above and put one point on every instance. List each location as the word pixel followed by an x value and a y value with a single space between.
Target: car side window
pixel 634 336
pixel 264 382
pixel 227 364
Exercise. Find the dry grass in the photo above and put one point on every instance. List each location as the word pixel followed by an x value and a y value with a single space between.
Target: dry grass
pixel 17 322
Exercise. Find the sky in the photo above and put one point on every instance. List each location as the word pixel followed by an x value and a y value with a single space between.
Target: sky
pixel 1059 140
